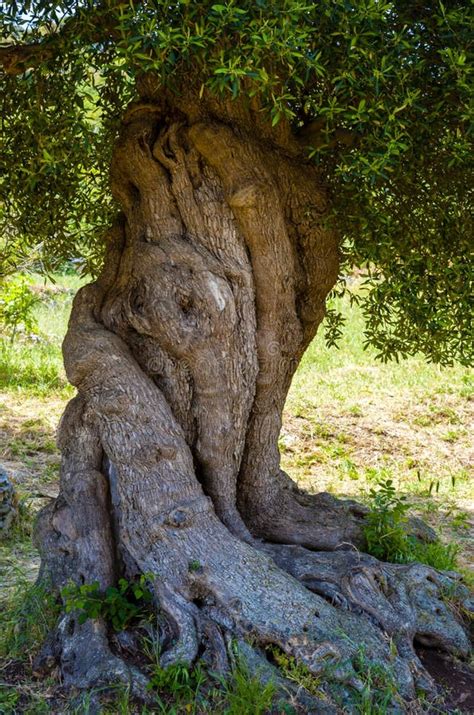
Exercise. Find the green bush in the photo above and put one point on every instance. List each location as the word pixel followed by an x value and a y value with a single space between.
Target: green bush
pixel 385 525
pixel 386 532
pixel 17 303
pixel 117 605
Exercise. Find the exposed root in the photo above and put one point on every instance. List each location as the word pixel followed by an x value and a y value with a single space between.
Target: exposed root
pixel 318 521
pixel 183 617
pixel 85 659
pixel 409 601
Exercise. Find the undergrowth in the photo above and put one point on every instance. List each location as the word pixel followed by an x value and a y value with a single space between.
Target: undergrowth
pixel 296 672
pixel 27 615
pixel 118 605
pixel 33 320
pixel 379 693
pixel 386 533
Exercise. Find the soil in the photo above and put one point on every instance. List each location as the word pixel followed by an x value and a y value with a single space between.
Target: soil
pixel 456 679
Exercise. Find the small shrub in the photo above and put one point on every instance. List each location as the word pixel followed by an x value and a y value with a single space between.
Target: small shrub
pixel 385 523
pixel 386 532
pixel 117 605
pixel 17 302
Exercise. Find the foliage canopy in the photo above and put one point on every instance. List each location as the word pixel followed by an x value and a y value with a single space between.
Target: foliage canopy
pixel 379 91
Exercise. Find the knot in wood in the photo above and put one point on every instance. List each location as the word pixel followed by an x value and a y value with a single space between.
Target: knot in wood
pixel 183 514
pixel 179 517
pixel 245 197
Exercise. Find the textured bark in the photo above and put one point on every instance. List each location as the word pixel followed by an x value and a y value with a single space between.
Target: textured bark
pixel 182 353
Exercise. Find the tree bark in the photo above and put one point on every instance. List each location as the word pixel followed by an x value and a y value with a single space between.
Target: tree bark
pixel 182 353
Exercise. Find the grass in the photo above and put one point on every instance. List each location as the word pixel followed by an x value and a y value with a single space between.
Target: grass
pixel 350 423
pixel 33 364
pixel 26 616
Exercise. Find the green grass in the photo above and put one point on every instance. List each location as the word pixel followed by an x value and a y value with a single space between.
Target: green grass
pixel 351 372
pixel 34 363
pixel 26 616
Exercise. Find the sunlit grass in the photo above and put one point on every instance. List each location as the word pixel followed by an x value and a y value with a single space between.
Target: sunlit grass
pixel 33 363
pixel 352 372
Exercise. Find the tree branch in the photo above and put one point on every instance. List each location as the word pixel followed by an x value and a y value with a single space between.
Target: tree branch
pixel 16 59
pixel 100 23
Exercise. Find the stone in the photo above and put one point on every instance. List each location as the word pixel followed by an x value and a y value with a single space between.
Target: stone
pixel 7 503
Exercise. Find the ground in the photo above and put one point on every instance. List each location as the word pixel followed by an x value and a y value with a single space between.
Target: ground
pixel 350 422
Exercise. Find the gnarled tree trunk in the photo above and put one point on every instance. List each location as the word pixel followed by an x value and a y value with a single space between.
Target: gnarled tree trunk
pixel 182 354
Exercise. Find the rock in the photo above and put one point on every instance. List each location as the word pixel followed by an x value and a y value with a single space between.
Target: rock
pixel 7 503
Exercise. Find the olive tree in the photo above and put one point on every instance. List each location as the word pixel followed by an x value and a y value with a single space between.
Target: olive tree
pixel 255 149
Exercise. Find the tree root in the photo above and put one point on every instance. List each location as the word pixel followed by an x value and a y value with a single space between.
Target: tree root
pixel 317 521
pixel 85 658
pixel 410 602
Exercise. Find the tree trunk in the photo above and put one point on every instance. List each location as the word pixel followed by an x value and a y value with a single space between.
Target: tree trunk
pixel 182 353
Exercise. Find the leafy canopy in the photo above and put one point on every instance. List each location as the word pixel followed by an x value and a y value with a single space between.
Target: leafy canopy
pixel 381 91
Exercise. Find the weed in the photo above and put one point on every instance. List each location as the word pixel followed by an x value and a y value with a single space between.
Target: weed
pixel 117 605
pixel 121 705
pixel 9 697
pixel 297 672
pixel 452 435
pixel 460 521
pixel 22 526
pixel 183 684
pixel 246 694
pixel 385 523
pixel 376 475
pixel 50 473
pixel 184 689
pixel 379 692
pixel 438 555
pixel 349 469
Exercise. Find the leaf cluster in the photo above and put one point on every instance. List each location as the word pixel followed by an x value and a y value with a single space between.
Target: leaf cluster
pixel 118 605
